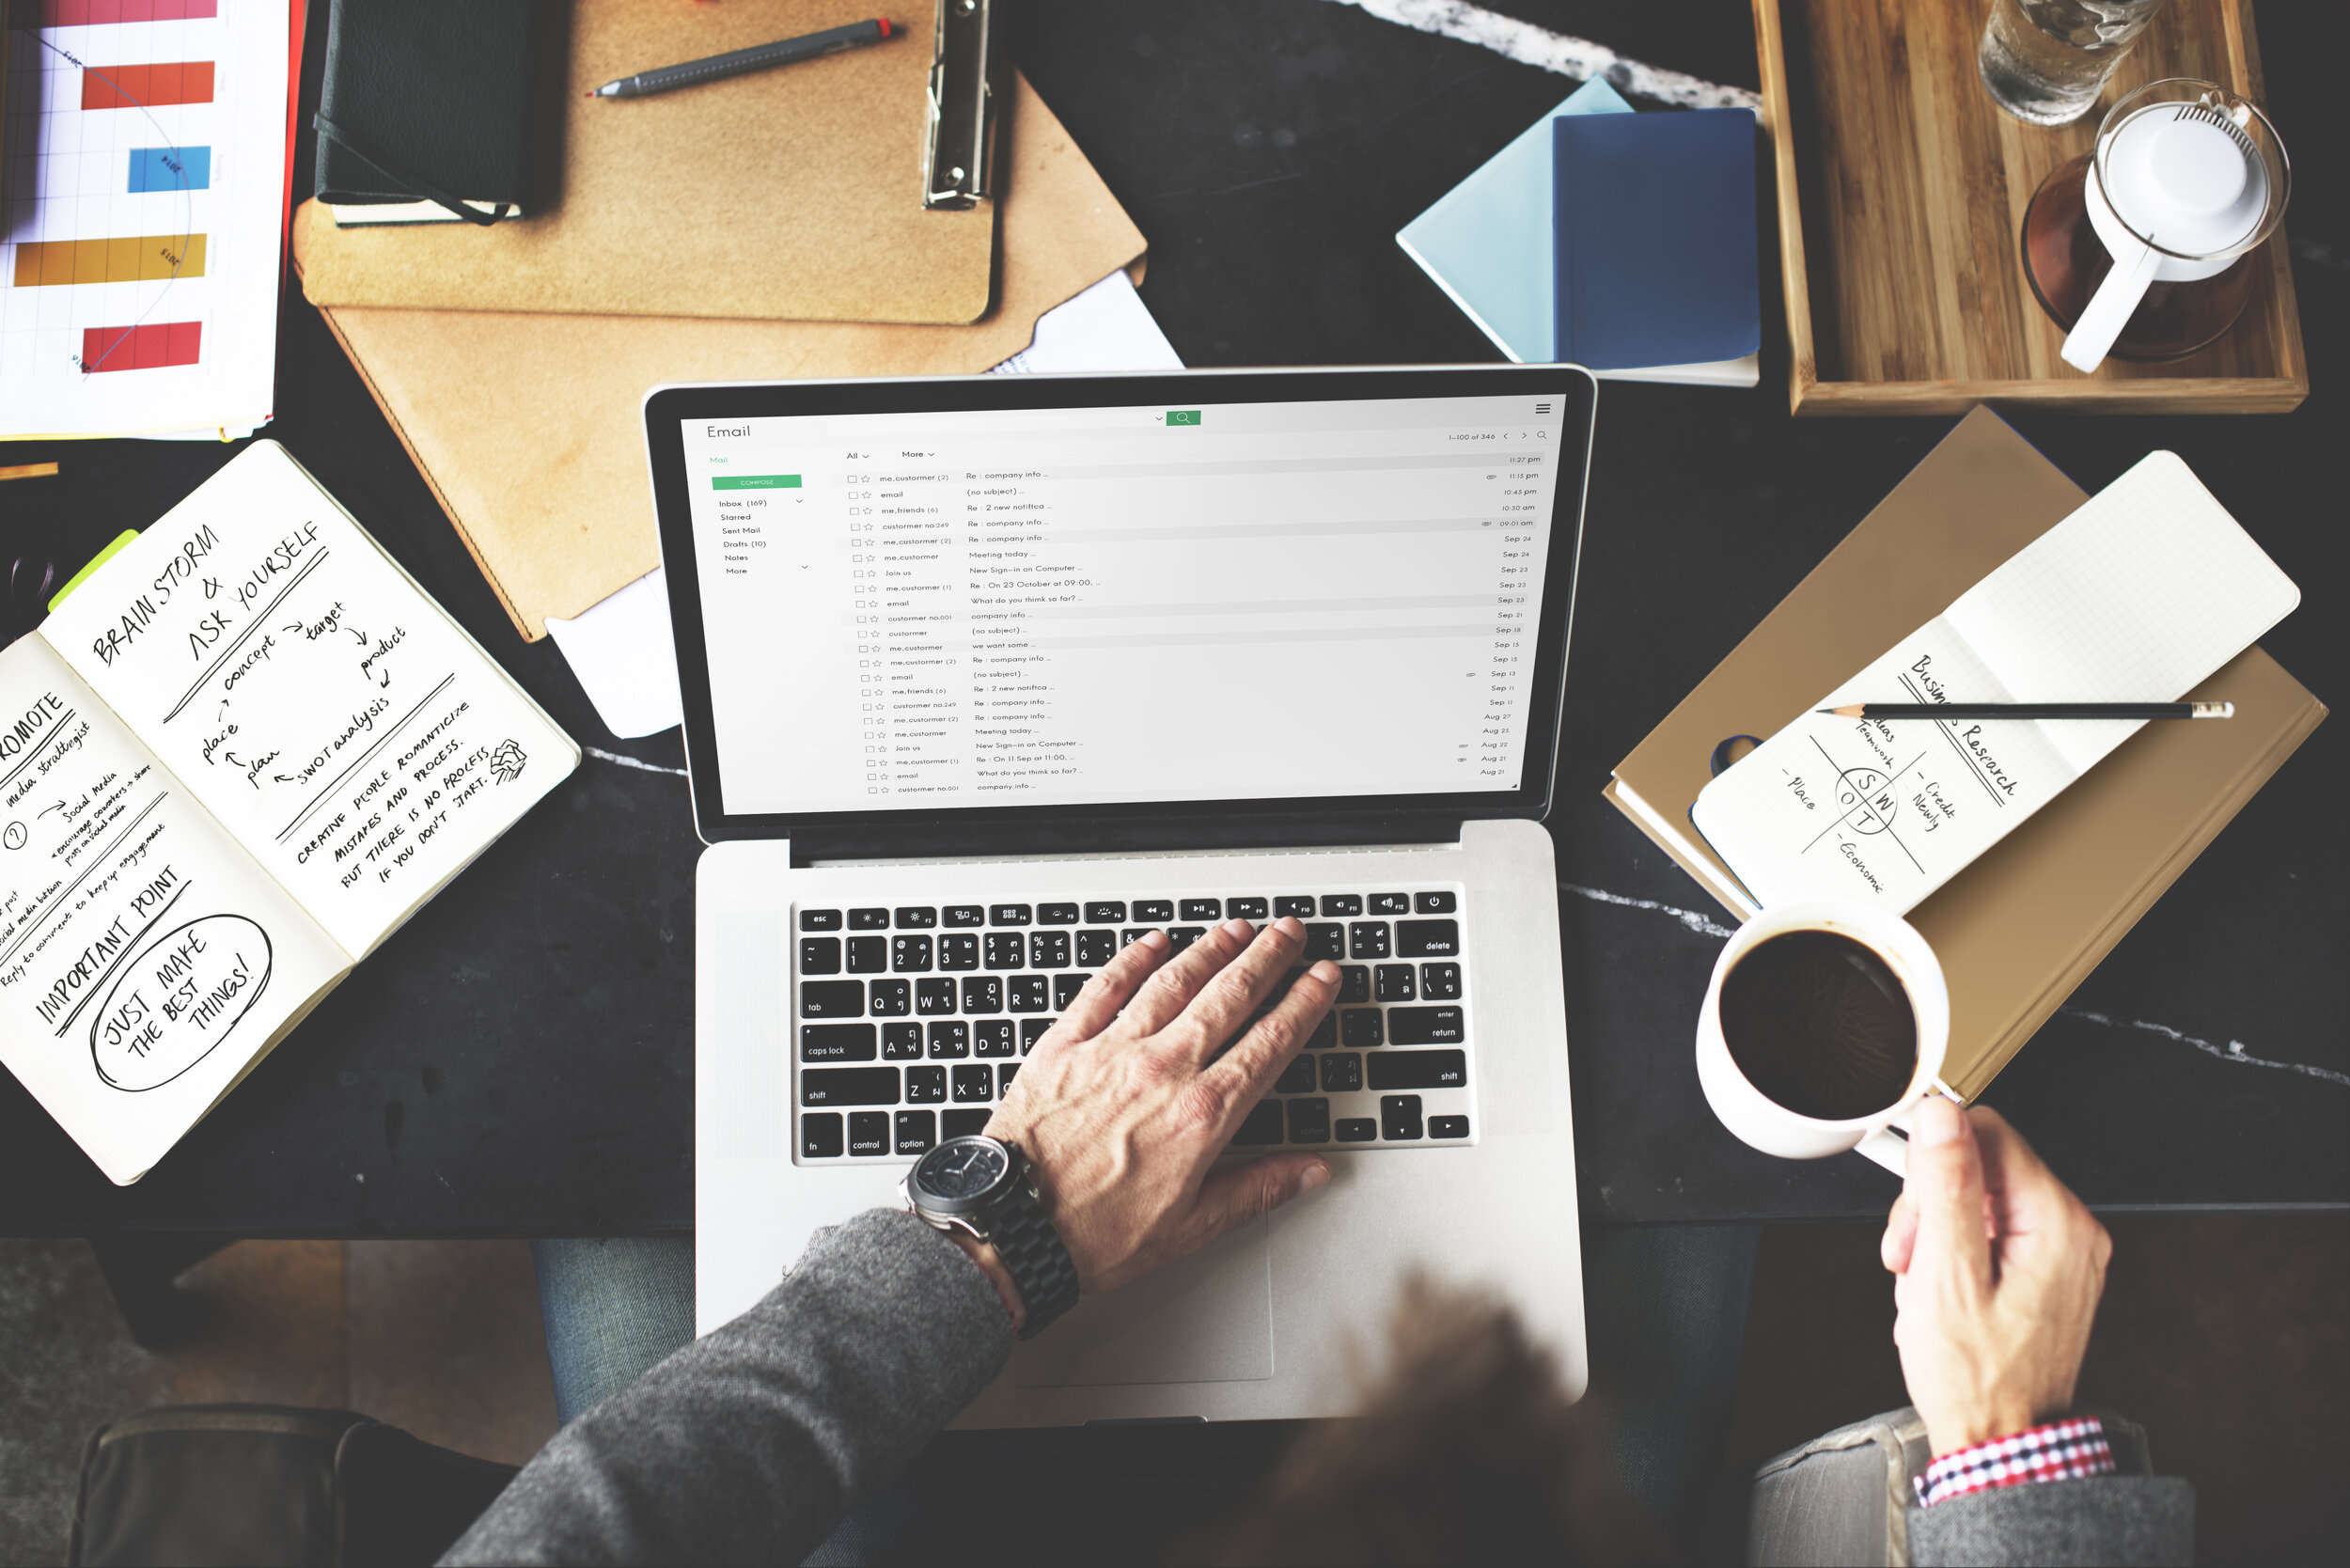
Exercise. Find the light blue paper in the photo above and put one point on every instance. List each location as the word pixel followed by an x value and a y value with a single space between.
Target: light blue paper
pixel 1487 241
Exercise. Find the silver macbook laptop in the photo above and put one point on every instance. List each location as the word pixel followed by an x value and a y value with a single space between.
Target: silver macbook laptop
pixel 986 677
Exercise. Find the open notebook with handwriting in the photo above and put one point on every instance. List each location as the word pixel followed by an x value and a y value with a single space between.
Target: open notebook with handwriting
pixel 2136 596
pixel 241 754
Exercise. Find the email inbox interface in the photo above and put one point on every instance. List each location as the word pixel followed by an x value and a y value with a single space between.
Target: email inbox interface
pixel 1066 606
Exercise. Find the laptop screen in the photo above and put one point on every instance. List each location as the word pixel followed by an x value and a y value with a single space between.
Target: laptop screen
pixel 1117 600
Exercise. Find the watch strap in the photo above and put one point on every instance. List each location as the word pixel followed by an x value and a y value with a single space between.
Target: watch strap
pixel 1033 1255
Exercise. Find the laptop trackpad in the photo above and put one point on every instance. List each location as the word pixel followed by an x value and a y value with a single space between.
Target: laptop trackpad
pixel 1207 1318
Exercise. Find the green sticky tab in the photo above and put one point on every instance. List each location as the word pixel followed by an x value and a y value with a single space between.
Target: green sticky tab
pixel 755 481
pixel 1182 415
pixel 96 561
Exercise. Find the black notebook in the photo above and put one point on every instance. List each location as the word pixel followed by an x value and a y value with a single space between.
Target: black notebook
pixel 425 110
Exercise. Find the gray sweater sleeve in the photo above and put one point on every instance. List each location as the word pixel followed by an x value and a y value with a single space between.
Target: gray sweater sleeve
pixel 2104 1519
pixel 750 1444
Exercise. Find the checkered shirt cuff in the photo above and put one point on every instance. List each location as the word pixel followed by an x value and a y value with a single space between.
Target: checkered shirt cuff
pixel 2071 1450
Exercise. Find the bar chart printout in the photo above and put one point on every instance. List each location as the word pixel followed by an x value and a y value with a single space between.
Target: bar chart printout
pixel 141 215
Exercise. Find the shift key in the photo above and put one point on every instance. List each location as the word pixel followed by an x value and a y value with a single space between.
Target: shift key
pixel 848 1086
pixel 1424 1026
pixel 1419 1069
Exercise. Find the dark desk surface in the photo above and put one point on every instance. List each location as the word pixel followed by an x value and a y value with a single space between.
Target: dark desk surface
pixel 519 1059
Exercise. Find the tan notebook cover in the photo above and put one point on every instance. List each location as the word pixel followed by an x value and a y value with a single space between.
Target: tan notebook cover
pixel 528 427
pixel 2021 927
pixel 793 194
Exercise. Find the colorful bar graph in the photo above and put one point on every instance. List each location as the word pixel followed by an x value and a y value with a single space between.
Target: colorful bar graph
pixel 126 87
pixel 170 169
pixel 150 347
pixel 142 258
pixel 98 13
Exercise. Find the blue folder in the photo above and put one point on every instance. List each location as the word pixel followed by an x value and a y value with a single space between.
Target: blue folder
pixel 1655 242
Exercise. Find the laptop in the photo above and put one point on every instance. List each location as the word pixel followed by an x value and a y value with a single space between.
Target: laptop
pixel 985 676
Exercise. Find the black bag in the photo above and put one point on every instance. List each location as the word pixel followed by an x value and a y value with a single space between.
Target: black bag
pixel 272 1484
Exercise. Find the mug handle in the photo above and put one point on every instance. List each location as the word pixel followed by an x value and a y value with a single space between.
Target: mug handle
pixel 1888 1149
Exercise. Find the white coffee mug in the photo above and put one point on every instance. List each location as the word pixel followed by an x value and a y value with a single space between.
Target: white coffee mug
pixel 1766 1125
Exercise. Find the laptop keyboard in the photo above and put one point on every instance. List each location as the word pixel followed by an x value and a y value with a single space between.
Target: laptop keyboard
pixel 912 1020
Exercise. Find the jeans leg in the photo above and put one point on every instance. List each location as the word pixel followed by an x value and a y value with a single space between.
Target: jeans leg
pixel 613 1307
pixel 1666 1312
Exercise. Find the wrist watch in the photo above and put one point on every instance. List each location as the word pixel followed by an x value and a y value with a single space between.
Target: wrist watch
pixel 986 1188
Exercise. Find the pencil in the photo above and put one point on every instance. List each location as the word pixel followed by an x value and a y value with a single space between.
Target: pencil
pixel 717 68
pixel 2034 709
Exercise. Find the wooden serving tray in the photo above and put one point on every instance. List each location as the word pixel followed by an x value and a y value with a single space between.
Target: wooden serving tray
pixel 1901 189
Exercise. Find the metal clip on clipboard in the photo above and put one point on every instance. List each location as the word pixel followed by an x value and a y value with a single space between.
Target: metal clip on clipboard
pixel 959 151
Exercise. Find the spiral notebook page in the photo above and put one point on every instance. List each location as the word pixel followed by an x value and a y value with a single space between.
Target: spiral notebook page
pixel 2143 591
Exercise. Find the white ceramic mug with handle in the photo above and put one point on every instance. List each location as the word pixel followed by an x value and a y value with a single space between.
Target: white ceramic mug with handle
pixel 1764 1122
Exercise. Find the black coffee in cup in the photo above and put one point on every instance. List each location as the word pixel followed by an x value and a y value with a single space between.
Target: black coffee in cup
pixel 1821 1024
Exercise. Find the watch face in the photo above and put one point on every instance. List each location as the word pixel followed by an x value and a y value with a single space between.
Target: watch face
pixel 962 1168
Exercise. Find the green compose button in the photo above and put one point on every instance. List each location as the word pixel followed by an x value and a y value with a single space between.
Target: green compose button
pixel 755 481
pixel 1182 415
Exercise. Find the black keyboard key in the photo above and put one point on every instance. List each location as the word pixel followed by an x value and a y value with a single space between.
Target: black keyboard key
pixel 1296 1078
pixel 1057 914
pixel 1341 1073
pixel 917 917
pixel 1132 934
pixel 983 994
pixel 963 914
pixel 1065 989
pixel 950 1038
pixel 1341 903
pixel 849 1086
pixel 1425 1025
pixel 869 955
pixel 1326 942
pixel 1048 949
pixel 868 920
pixel 1440 982
pixel 1030 993
pixel 1202 909
pixel 1096 947
pixel 992 1037
pixel 1354 983
pixel 892 999
pixel 1391 904
pixel 1399 1118
pixel 869 1133
pixel 959 950
pixel 1301 907
pixel 832 998
pixel 1420 1070
pixel 820 919
pixel 1105 914
pixel 1395 983
pixel 1008 915
pixel 1427 938
pixel 1032 1031
pixel 836 1043
pixel 963 1124
pixel 1005 1073
pixel 1180 937
pixel 910 955
pixel 1006 949
pixel 926 1086
pixel 972 1084
pixel 1325 1033
pixel 1366 939
pixel 1154 912
pixel 1309 1121
pixel 1245 909
pixel 1358 1129
pixel 1447 1126
pixel 1359 1028
pixel 1434 903
pixel 1261 1125
pixel 918 1131
pixel 820 1136
pixel 902 1043
pixel 819 955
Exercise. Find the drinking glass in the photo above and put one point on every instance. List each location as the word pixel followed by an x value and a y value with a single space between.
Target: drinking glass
pixel 2046 61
